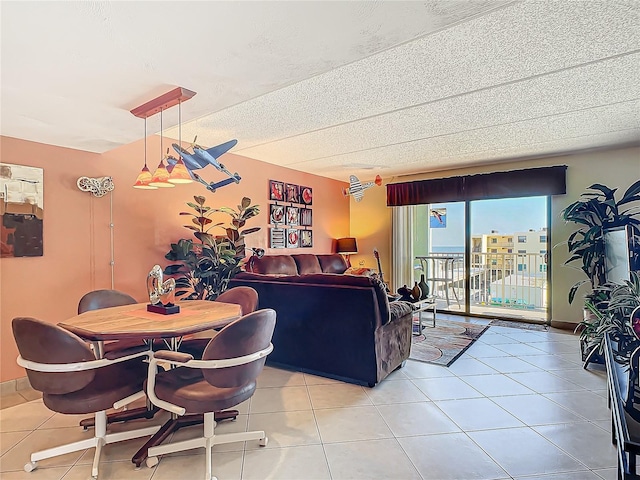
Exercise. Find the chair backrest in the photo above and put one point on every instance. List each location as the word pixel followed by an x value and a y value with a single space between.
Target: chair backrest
pixel 246 297
pixel 249 334
pixel 43 342
pixel 104 298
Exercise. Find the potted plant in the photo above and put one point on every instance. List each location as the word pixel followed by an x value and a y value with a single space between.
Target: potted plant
pixel 595 212
pixel 613 316
pixel 205 267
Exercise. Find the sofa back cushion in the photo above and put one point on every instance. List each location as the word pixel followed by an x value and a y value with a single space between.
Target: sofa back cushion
pixel 307 263
pixel 333 263
pixel 272 265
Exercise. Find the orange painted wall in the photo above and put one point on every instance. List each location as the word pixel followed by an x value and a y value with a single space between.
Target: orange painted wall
pixel 77 234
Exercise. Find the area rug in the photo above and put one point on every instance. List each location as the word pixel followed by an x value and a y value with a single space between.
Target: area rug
pixel 445 342
pixel 522 325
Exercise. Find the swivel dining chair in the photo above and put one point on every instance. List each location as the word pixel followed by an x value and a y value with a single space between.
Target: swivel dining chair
pixel 63 367
pixel 104 298
pixel 226 377
pixel 246 297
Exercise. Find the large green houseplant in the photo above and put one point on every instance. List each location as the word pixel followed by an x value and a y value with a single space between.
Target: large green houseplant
pixel 205 267
pixel 595 212
pixel 614 317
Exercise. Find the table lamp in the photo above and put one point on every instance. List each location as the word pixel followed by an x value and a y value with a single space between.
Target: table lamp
pixel 347 246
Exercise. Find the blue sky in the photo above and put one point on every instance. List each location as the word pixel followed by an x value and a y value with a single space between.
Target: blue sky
pixel 504 215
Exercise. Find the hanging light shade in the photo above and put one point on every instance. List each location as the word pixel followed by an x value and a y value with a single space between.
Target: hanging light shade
pixel 179 173
pixel 144 177
pixel 161 175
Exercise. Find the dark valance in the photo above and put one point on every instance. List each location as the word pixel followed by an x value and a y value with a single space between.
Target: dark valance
pixel 530 182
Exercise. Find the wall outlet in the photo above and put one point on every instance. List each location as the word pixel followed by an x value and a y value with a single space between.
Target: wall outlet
pixel 361 263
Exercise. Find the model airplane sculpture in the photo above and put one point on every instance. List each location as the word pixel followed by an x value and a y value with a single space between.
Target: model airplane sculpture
pixel 202 157
pixel 356 188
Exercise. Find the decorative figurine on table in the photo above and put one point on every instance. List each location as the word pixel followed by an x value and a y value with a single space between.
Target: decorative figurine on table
pixel 162 295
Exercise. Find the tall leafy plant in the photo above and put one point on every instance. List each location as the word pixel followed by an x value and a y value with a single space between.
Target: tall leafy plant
pixel 614 317
pixel 595 212
pixel 205 267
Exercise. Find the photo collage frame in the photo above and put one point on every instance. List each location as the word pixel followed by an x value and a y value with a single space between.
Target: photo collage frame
pixel 290 215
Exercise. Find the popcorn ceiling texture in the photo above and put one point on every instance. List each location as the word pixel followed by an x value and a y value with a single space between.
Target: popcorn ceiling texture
pixel 332 88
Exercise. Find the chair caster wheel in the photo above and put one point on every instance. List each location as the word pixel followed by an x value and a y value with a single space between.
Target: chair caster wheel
pixel 264 441
pixel 30 467
pixel 152 461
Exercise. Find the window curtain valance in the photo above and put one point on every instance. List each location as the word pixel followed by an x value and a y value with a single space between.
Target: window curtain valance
pixel 529 182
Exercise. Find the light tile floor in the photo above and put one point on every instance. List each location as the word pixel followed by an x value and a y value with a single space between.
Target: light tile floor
pixel 516 405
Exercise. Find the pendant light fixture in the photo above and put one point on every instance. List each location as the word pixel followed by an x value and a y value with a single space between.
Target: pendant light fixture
pixel 179 173
pixel 161 175
pixel 144 177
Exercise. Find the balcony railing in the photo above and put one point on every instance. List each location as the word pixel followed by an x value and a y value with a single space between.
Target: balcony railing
pixel 513 281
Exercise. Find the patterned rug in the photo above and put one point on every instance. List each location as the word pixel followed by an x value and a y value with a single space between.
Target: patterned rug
pixel 445 342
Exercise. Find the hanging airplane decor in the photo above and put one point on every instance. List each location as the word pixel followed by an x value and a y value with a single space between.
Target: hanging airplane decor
pixel 356 188
pixel 201 157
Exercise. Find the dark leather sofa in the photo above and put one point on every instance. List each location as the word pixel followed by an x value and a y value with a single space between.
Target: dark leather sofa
pixel 329 324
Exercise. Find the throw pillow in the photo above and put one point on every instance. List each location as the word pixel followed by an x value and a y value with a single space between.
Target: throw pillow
pixel 365 272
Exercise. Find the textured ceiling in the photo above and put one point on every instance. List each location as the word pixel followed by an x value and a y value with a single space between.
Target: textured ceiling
pixel 331 88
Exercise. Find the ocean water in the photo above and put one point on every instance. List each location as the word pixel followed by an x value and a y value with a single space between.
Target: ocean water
pixel 448 249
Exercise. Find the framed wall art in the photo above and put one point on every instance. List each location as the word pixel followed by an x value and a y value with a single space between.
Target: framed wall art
pixel 276 213
pixel 276 190
pixel 277 238
pixel 292 193
pixel 21 210
pixel 293 238
pixel 306 195
pixel 293 216
pixel 306 217
pixel 306 238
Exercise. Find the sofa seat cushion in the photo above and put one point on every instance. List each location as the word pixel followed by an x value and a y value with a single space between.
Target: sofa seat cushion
pixel 399 309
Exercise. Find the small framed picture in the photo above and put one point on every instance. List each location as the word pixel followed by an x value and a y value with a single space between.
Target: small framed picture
pixel 306 238
pixel 276 191
pixel 276 213
pixel 306 217
pixel 277 238
pixel 292 193
pixel 293 238
pixel 306 195
pixel 293 216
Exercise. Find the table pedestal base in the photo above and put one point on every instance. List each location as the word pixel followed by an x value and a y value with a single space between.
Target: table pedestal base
pixel 172 425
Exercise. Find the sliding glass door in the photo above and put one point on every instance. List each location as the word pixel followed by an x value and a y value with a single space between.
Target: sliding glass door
pixel 485 257
pixel 509 254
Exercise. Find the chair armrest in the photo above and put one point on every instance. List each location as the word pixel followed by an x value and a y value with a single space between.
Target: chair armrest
pixel 77 366
pixel 173 357
pixel 186 360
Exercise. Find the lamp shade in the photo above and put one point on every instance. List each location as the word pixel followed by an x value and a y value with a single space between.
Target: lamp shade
pixel 347 245
pixel 161 177
pixel 143 180
pixel 179 173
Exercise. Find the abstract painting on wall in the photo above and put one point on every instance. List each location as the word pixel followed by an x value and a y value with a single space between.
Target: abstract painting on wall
pixel 22 210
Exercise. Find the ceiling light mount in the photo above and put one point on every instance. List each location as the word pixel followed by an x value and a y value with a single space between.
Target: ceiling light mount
pixel 163 102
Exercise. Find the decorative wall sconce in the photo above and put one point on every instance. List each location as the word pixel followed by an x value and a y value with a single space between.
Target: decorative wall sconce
pixel 163 177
